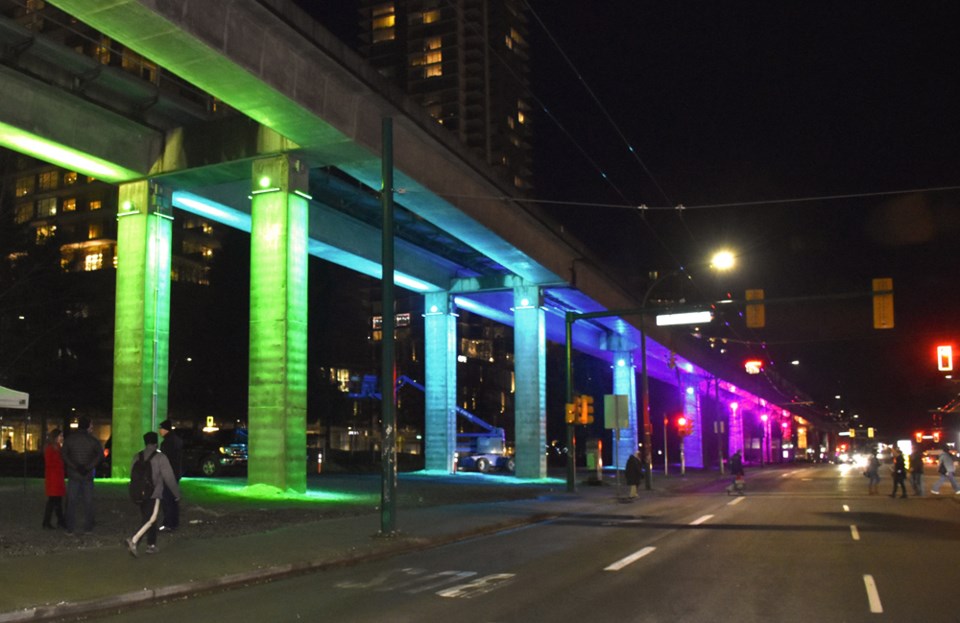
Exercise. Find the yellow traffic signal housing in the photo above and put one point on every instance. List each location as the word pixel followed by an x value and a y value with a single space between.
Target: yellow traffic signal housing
pixel 570 414
pixel 756 313
pixel 586 409
pixel 883 303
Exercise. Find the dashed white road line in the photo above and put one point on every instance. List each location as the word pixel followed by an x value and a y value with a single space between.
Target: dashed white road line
pixel 846 508
pixel 735 501
pixel 854 533
pixel 632 558
pixel 700 520
pixel 872 595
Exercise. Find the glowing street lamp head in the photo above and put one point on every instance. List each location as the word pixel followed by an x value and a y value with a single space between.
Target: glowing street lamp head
pixel 723 260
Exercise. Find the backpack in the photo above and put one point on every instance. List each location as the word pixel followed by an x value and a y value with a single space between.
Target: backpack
pixel 141 479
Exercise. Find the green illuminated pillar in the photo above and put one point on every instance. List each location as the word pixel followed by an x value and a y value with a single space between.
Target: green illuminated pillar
pixel 142 331
pixel 278 324
pixel 440 359
pixel 530 370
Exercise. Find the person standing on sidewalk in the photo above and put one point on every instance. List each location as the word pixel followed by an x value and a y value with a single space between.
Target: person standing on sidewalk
pixel 82 452
pixel 947 468
pixel 172 448
pixel 634 473
pixel 53 479
pixel 163 478
pixel 916 471
pixel 899 474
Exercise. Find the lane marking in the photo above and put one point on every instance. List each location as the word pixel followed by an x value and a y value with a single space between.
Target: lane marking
pixel 846 508
pixel 854 532
pixel 632 558
pixel 872 595
pixel 735 501
pixel 480 586
pixel 700 520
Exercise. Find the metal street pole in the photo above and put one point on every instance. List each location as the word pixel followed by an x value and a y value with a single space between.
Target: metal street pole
pixel 388 384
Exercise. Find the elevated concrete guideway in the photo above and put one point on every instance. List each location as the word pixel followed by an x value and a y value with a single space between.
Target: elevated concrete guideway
pixel 305 96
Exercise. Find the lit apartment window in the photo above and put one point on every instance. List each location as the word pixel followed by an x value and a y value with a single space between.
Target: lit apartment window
pixel 207 228
pixel 432 71
pixel 433 43
pixel 207 252
pixel 430 17
pixel 47 207
pixel 45 232
pixel 48 180
pixel 384 20
pixel 70 177
pixel 94 231
pixel 93 261
pixel 70 205
pixel 102 52
pixel 509 42
pixel 522 118
pixel 96 204
pixel 24 212
pixel 24 186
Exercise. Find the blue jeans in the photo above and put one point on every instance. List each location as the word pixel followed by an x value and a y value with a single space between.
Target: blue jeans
pixel 79 493
pixel 944 478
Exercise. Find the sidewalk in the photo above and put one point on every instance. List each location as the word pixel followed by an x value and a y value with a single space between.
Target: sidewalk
pixel 95 576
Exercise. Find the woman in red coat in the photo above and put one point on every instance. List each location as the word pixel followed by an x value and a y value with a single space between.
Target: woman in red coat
pixel 53 479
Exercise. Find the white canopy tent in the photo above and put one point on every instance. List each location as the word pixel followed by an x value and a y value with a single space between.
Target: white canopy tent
pixel 12 399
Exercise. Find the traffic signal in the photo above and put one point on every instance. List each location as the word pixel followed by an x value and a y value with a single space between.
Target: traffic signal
pixel 684 426
pixel 918 436
pixel 936 436
pixel 756 314
pixel 883 303
pixel 571 409
pixel 945 358
pixel 586 409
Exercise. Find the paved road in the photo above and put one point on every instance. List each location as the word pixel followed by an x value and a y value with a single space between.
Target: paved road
pixel 804 544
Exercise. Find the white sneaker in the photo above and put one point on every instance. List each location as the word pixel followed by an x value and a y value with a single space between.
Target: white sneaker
pixel 152 549
pixel 934 492
pixel 131 547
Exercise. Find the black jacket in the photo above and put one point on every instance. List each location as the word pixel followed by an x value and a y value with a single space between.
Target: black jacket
pixel 172 448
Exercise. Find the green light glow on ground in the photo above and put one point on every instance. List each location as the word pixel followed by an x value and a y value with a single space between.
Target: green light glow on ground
pixel 201 491
pixel 54 153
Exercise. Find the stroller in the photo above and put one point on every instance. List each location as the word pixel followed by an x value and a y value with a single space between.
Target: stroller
pixel 736 487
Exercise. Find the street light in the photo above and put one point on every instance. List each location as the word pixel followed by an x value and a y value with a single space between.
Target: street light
pixel 722 260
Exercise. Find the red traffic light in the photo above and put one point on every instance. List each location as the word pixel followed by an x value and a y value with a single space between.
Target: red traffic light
pixel 945 358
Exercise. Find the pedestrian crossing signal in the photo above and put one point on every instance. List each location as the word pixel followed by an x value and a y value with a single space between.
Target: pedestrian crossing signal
pixel 945 358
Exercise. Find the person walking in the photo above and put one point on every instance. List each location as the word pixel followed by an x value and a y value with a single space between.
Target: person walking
pixel 634 473
pixel 53 479
pixel 899 474
pixel 946 468
pixel 162 477
pixel 172 448
pixel 736 469
pixel 916 471
pixel 873 473
pixel 81 453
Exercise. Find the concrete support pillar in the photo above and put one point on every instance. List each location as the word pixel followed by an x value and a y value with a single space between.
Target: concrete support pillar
pixel 734 429
pixel 693 443
pixel 440 358
pixel 142 331
pixel 529 361
pixel 625 383
pixel 278 324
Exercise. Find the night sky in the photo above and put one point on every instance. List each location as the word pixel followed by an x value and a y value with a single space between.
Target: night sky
pixel 757 104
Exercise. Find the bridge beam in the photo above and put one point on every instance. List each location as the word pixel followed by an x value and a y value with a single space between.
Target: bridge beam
pixel 278 324
pixel 142 332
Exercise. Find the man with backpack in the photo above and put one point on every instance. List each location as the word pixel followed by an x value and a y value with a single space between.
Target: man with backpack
pixel 150 474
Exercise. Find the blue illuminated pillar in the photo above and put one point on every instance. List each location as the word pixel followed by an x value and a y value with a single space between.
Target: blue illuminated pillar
pixel 693 443
pixel 278 324
pixel 530 372
pixel 735 429
pixel 142 331
pixel 440 359
pixel 625 383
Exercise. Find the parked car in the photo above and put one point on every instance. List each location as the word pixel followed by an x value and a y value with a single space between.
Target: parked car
pixel 214 453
